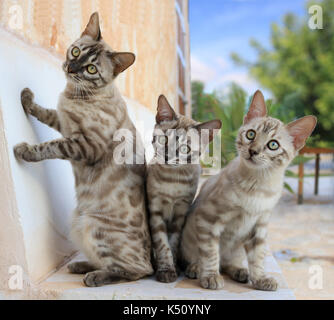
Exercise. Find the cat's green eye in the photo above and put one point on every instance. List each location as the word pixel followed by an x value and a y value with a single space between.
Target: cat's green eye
pixel 91 69
pixel 163 140
pixel 184 149
pixel 250 134
pixel 76 52
pixel 273 145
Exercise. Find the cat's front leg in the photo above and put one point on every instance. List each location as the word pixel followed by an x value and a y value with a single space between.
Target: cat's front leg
pixel 175 227
pixel 78 149
pixel 208 236
pixel 256 252
pixel 47 116
pixel 166 271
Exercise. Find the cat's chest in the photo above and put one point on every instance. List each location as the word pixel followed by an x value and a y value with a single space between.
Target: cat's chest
pixel 175 184
pixel 82 118
pixel 241 226
pixel 255 204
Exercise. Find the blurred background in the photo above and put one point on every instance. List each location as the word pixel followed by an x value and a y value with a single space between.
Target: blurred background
pixel 240 46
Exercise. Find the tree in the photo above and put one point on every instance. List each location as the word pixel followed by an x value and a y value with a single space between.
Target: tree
pixel 229 108
pixel 299 69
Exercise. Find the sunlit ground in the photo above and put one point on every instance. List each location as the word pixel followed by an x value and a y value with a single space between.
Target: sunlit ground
pixel 301 238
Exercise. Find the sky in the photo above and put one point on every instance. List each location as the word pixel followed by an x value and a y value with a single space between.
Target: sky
pixel 219 27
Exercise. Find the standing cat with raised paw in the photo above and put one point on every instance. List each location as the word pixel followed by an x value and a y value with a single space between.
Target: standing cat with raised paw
pixel 228 222
pixel 110 221
pixel 172 179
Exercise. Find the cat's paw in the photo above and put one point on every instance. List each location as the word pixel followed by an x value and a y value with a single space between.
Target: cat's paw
pixel 213 282
pixel 27 98
pixel 192 271
pixel 94 279
pixel 21 151
pixel 168 275
pixel 240 275
pixel 265 284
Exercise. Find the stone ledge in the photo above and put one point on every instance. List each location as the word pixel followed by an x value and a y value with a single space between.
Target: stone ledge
pixel 62 285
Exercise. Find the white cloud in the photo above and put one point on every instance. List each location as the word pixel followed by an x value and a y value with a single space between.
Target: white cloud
pixel 222 63
pixel 220 75
pixel 240 78
pixel 201 71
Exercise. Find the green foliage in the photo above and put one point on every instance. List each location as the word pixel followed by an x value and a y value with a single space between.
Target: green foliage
pixel 299 70
pixel 230 109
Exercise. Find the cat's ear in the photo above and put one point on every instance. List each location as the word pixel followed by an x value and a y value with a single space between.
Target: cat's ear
pixel 121 61
pixel 209 125
pixel 301 129
pixel 164 111
pixel 93 28
pixel 257 107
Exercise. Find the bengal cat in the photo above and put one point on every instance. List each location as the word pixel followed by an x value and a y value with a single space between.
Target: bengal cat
pixel 228 222
pixel 109 223
pixel 172 182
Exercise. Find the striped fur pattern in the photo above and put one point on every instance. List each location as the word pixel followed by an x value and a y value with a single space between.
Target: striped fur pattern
pixel 109 223
pixel 171 186
pixel 228 223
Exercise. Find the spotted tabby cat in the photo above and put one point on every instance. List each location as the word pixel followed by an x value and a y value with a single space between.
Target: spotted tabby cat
pixel 229 220
pixel 109 224
pixel 172 183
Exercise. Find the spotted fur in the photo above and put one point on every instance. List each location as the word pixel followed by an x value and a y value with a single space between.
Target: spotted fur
pixel 171 184
pixel 228 222
pixel 109 223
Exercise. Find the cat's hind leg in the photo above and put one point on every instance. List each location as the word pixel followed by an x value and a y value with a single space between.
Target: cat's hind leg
pixel 109 275
pixel 81 267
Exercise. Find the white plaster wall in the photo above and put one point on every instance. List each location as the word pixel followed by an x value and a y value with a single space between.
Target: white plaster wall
pixel 44 190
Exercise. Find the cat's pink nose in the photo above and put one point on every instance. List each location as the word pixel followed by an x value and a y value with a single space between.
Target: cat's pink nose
pixel 253 152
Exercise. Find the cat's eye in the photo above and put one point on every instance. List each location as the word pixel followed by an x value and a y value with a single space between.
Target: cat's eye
pixel 91 69
pixel 75 52
pixel 273 145
pixel 163 140
pixel 184 149
pixel 251 134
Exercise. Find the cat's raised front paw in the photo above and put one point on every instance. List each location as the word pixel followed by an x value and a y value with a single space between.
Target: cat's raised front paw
pixel 265 284
pixel 27 98
pixel 169 275
pixel 22 151
pixel 213 282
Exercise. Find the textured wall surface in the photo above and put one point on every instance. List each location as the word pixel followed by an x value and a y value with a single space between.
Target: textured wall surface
pixel 145 27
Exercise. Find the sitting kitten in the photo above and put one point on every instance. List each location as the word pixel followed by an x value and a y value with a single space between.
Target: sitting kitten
pixel 230 215
pixel 172 183
pixel 109 224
